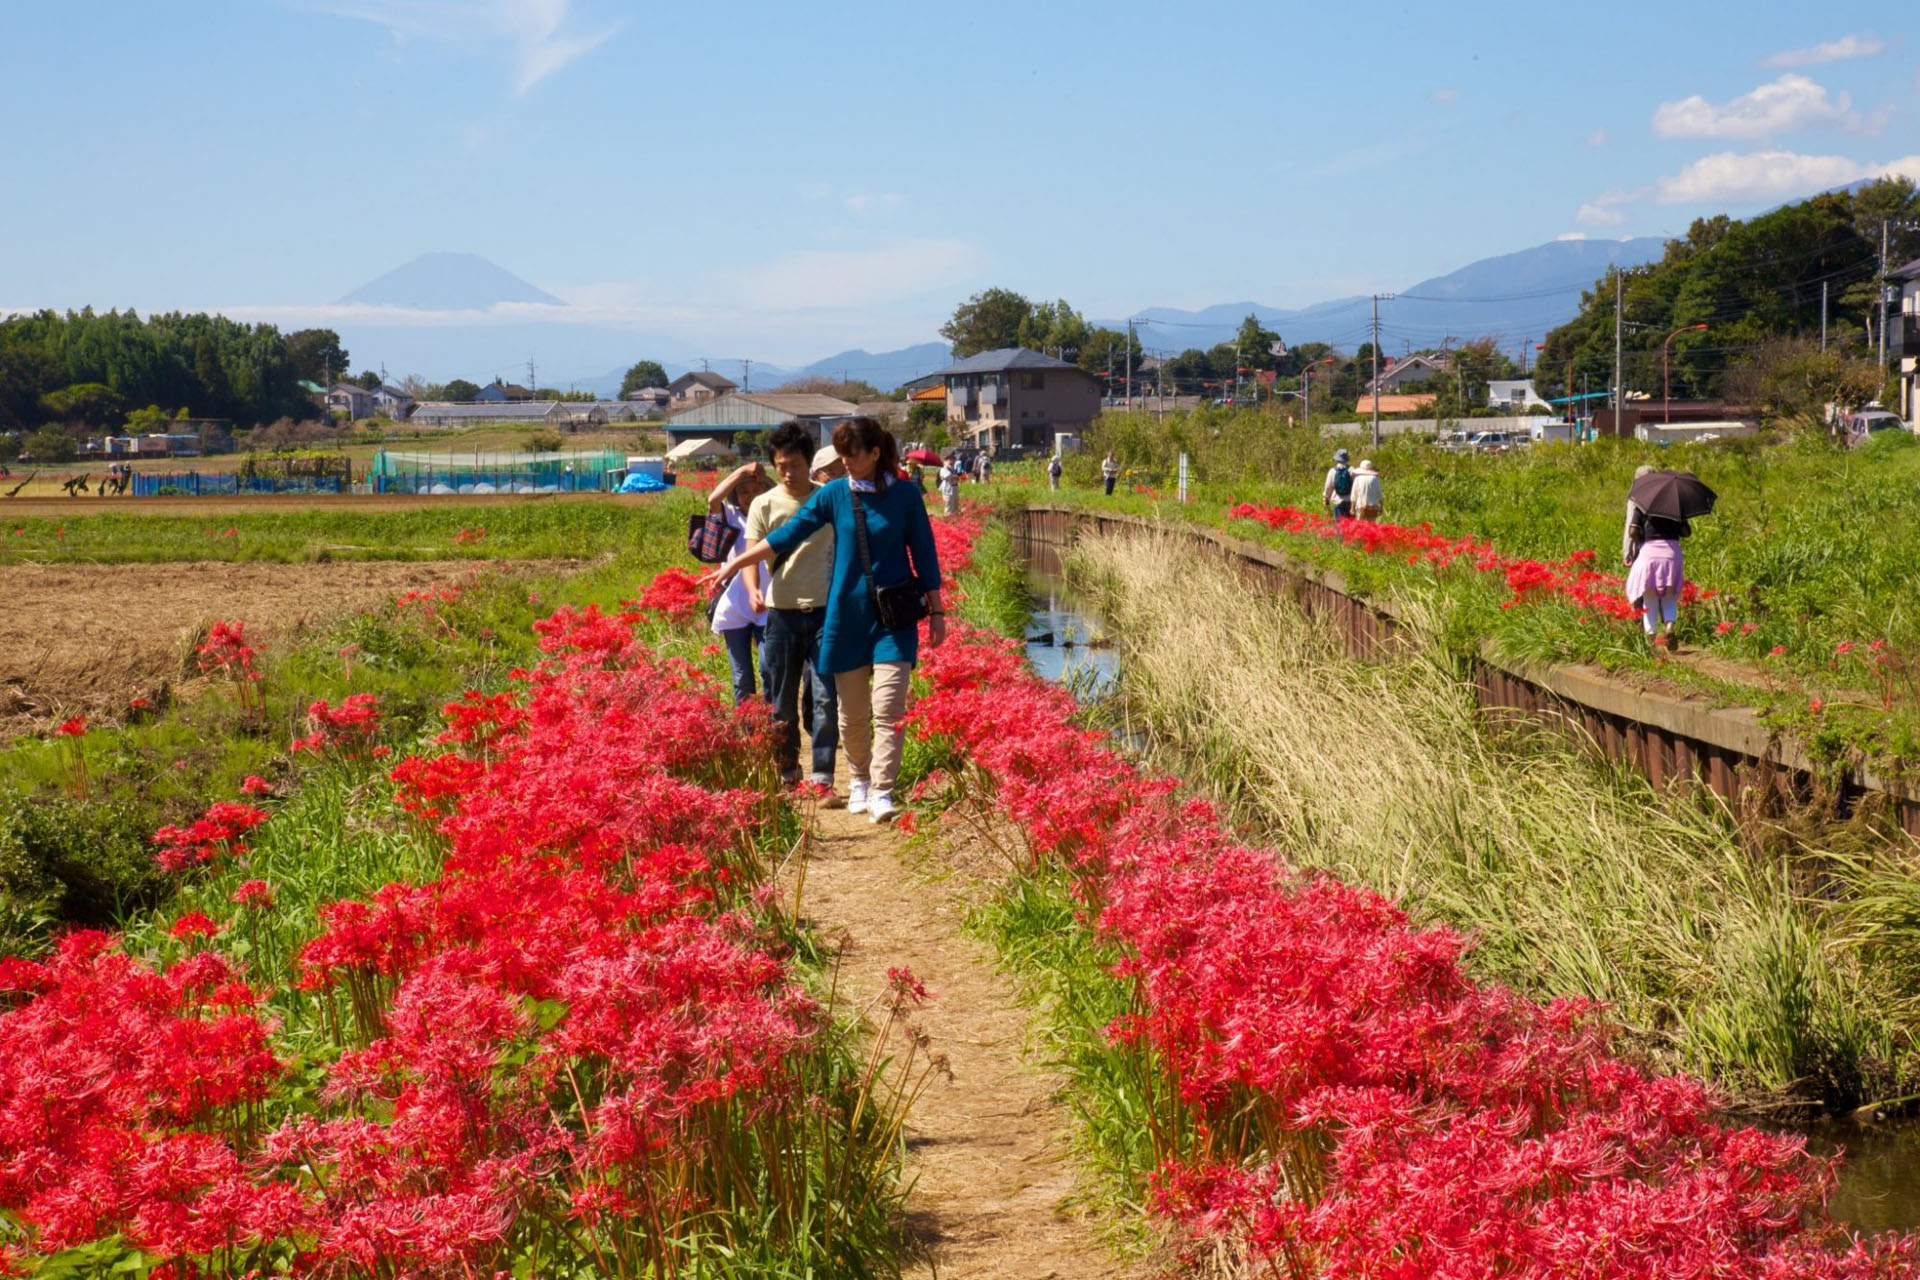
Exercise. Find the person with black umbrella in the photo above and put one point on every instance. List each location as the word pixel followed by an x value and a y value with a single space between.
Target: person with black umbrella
pixel 1660 508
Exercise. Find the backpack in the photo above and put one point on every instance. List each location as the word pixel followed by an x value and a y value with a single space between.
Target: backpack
pixel 1053 468
pixel 1342 483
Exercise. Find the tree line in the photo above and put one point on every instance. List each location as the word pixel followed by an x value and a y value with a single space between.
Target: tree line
pixel 1757 285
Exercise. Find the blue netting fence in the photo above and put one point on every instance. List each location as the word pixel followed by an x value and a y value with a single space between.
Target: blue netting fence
pixel 590 471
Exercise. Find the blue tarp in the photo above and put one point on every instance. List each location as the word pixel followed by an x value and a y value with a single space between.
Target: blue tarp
pixel 641 482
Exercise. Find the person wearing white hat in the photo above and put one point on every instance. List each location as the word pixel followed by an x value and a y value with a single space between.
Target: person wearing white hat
pixel 1367 500
pixel 827 465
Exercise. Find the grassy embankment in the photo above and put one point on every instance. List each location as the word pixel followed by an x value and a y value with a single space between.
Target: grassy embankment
pixel 1776 962
pixel 1810 554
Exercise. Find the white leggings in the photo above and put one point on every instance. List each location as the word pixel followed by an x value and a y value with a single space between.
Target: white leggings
pixel 1660 608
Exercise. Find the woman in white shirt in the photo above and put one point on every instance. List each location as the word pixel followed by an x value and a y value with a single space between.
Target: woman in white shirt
pixel 735 621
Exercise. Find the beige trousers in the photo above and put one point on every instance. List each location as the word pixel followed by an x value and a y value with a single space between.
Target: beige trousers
pixel 873 701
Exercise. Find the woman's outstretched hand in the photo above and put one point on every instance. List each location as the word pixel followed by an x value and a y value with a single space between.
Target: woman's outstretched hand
pixel 936 630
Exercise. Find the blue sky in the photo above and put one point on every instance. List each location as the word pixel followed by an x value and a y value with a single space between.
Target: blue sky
pixel 784 181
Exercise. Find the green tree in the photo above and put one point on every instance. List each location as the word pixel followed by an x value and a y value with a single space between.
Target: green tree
pixel 26 374
pixel 51 444
pixel 1255 344
pixel 926 419
pixel 148 420
pixel 84 404
pixel 369 380
pixel 9 446
pixel 644 373
pixel 1794 379
pixel 1106 349
pixel 1054 328
pixel 316 355
pixel 460 391
pixel 987 321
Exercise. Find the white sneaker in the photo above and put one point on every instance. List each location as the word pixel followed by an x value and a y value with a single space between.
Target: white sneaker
pixel 857 797
pixel 880 807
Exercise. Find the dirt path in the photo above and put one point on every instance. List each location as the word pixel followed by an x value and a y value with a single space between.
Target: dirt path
pixel 988 1149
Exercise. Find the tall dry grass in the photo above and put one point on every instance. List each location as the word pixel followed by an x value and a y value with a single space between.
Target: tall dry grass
pixel 1575 879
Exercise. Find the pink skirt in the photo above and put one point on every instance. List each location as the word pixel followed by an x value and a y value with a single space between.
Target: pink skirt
pixel 1658 570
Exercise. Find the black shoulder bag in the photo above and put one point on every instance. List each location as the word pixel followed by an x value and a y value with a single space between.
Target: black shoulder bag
pixel 901 605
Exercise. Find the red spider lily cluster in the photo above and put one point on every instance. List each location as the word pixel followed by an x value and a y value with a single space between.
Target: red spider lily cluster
pixel 227 651
pixel 348 728
pixel 214 837
pixel 1342 1099
pixel 1574 579
pixel 675 595
pixel 575 1049
pixel 468 537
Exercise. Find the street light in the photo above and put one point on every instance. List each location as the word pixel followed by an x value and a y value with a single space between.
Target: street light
pixel 1306 389
pixel 1666 403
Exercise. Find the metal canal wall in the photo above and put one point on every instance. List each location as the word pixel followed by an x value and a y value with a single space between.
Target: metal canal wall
pixel 1671 740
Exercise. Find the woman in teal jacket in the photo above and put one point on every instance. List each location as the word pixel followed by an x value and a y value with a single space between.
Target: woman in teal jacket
pixel 871 665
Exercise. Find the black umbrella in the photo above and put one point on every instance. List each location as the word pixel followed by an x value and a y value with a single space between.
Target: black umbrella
pixel 1672 495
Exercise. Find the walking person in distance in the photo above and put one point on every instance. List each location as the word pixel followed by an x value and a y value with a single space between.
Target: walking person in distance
pixel 1109 472
pixel 1054 469
pixel 1368 501
pixel 1656 568
pixel 886 575
pixel 1336 494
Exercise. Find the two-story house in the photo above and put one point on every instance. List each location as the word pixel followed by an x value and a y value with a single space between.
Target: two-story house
pixel 1409 371
pixel 1905 341
pixel 1013 396
pixel 498 392
pixel 697 388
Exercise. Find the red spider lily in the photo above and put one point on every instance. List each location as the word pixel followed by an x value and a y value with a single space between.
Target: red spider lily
pixel 349 727
pixel 255 785
pixel 213 837
pixel 74 728
pixel 227 650
pixel 1355 1105
pixel 253 893
pixel 193 925
pixel 675 595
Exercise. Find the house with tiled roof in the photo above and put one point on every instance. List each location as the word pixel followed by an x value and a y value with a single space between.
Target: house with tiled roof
pixel 698 386
pixel 1016 397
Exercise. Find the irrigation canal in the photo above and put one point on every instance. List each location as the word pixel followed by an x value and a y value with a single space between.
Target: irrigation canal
pixel 1879 1186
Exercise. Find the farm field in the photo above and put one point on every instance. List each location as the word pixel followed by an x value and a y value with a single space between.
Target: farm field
pixel 91 639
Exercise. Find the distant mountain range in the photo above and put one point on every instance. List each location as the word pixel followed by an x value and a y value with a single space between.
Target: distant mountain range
pixel 1515 298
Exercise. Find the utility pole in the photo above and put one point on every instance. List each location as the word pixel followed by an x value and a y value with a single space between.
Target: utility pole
pixel 1883 295
pixel 1619 333
pixel 1376 365
pixel 746 374
pixel 1129 364
pixel 533 383
pixel 1823 315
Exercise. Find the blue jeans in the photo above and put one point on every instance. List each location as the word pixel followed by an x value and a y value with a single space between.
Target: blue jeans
pixel 741 642
pixel 792 662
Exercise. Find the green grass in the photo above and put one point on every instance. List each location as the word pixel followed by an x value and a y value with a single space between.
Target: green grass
pixel 1810 546
pixel 539 528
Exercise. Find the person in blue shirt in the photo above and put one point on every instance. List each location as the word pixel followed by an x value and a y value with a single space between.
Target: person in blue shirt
pixel 871 665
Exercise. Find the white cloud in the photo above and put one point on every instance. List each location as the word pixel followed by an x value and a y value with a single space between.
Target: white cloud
pixel 1755 177
pixel 1598 138
pixel 1592 214
pixel 864 202
pixel 828 278
pixel 1829 51
pixel 1444 96
pixel 1786 105
pixel 533 29
pixel 1571 235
